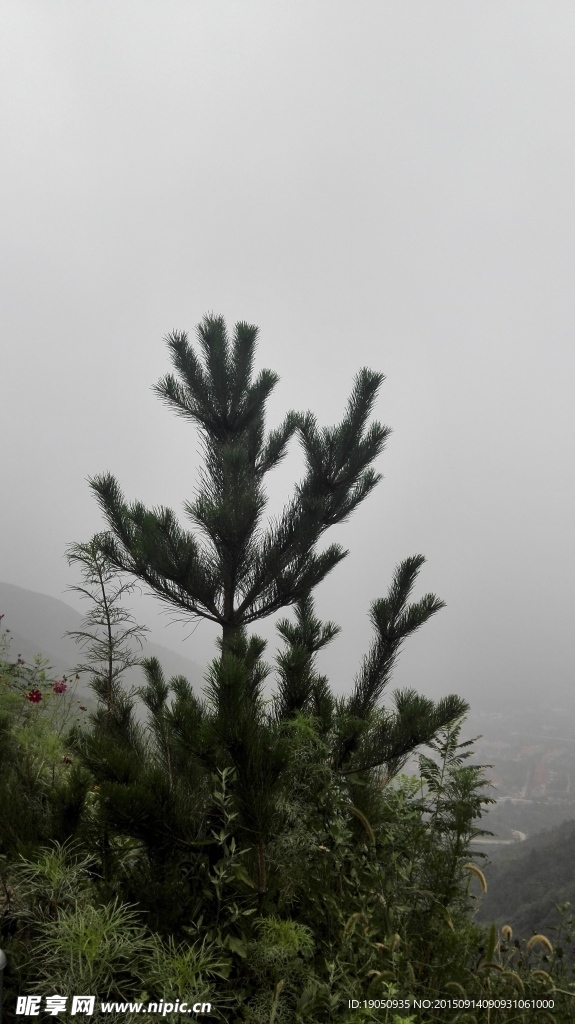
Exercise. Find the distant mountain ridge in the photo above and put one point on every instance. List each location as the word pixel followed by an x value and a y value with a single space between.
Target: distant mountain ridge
pixel 38 624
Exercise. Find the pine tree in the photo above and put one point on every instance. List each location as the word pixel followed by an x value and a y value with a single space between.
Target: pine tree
pixel 233 569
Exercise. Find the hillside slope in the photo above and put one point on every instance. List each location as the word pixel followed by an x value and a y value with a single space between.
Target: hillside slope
pixel 526 881
pixel 38 624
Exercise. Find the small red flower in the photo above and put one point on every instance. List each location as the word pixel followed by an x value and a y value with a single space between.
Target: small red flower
pixel 34 696
pixel 82 708
pixel 67 759
pixel 21 661
pixel 59 686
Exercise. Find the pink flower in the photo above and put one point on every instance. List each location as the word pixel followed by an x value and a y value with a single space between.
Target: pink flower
pixel 34 696
pixel 21 661
pixel 59 686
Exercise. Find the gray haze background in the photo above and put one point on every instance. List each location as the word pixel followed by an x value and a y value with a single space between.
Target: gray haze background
pixel 371 183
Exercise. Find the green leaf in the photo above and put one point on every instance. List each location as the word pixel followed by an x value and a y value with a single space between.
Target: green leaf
pixel 242 875
pixel 236 945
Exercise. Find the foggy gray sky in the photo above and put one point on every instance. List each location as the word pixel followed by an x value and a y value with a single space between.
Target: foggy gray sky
pixel 372 183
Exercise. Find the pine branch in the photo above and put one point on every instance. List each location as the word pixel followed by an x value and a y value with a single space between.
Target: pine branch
pixel 394 620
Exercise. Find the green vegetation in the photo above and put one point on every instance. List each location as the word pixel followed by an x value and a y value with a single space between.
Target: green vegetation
pixel 256 848
pixel 529 881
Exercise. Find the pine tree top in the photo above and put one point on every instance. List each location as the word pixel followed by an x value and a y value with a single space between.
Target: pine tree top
pixel 233 568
